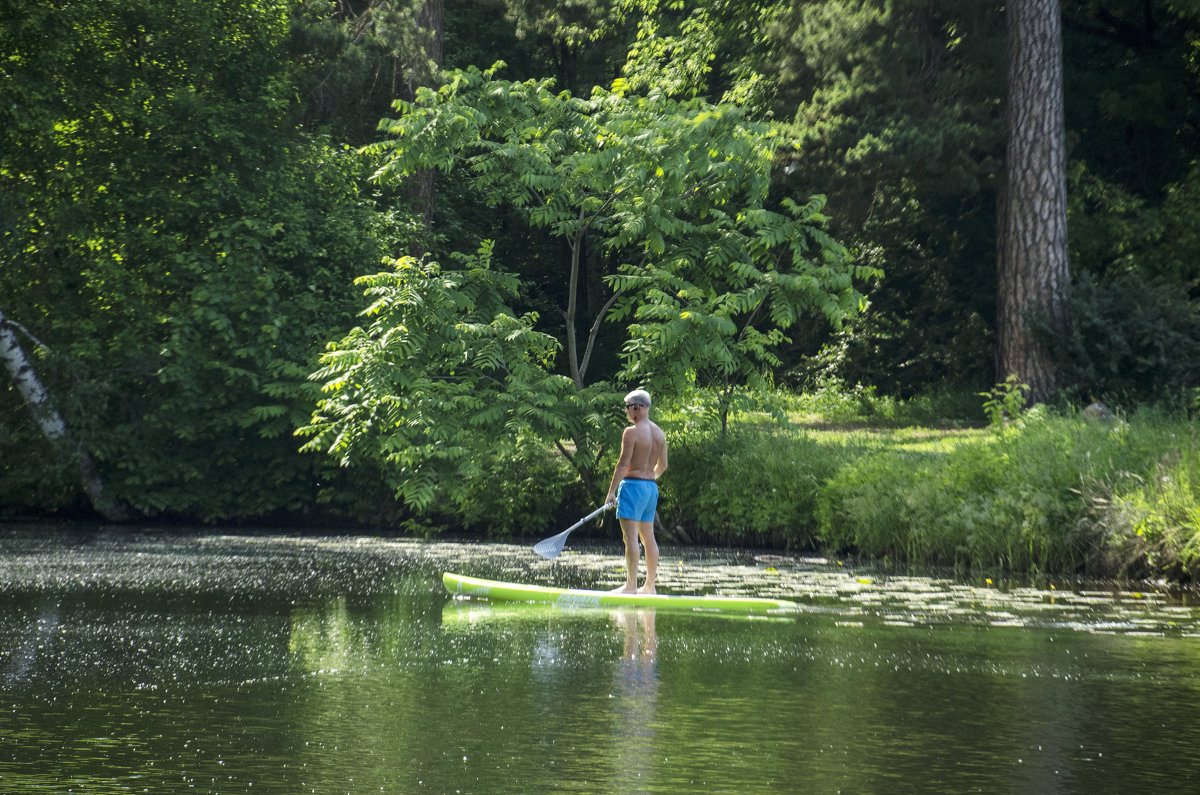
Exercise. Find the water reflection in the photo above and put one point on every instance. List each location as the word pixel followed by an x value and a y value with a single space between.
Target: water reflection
pixel 636 692
pixel 31 641
pixel 135 662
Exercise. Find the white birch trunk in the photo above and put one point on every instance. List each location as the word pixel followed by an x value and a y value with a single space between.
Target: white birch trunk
pixel 25 379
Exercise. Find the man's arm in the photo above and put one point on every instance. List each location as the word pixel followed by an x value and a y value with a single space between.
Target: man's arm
pixel 660 466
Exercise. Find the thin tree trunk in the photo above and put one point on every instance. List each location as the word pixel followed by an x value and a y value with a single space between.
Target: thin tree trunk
pixel 432 21
pixel 576 248
pixel 51 423
pixel 1032 267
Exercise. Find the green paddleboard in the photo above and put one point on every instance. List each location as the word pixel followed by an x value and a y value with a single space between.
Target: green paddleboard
pixel 574 597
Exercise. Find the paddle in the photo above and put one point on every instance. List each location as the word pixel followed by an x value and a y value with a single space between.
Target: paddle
pixel 551 547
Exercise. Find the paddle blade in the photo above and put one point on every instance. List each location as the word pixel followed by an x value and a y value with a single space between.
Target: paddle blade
pixel 551 547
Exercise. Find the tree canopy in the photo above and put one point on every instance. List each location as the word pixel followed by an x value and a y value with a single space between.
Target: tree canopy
pixel 186 201
pixel 665 201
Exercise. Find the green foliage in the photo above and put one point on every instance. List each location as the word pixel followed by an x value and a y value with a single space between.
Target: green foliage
pixel 1131 341
pixel 1045 493
pixel 672 195
pixel 176 229
pixel 1005 401
pixel 180 246
pixel 896 108
pixel 1130 83
pixel 759 484
pixel 752 486
pixel 718 49
pixel 1114 230
pixel 34 481
pixel 1013 500
pixel 523 487
pixel 444 380
pixel 579 43
pixel 714 315
pixel 347 49
pixel 1150 525
pixel 636 172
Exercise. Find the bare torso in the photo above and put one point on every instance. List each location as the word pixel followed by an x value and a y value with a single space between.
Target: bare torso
pixel 644 446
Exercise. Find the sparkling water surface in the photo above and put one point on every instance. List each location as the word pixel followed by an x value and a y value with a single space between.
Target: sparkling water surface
pixel 156 661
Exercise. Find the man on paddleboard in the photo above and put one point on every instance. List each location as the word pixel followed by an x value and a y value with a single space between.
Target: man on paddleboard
pixel 643 459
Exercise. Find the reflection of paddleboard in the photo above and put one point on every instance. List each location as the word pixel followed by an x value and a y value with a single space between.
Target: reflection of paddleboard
pixel 572 597
pixel 472 612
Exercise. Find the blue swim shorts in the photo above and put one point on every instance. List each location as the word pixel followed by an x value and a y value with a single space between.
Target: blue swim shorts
pixel 637 499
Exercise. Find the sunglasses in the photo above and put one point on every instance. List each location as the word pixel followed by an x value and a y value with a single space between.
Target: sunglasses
pixel 632 405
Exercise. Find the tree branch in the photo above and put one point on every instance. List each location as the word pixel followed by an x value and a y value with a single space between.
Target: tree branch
pixel 14 324
pixel 576 244
pixel 593 332
pixel 583 475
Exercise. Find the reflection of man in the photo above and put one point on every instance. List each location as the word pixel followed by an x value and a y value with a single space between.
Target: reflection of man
pixel 633 488
pixel 637 628
pixel 637 704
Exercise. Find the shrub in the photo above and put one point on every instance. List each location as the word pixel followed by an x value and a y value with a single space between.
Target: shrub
pixel 521 489
pixel 1147 522
pixel 1131 342
pixel 753 486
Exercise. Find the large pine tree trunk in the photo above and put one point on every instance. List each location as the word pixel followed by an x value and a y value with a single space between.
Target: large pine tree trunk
pixel 53 427
pixel 1032 270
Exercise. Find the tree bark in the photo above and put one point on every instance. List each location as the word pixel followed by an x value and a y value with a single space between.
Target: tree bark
pixel 1032 264
pixel 432 21
pixel 51 423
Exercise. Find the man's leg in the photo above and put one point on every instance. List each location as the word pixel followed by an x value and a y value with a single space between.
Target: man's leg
pixel 629 529
pixel 646 531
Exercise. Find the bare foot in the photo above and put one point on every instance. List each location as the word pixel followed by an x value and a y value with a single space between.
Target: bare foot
pixel 647 589
pixel 624 589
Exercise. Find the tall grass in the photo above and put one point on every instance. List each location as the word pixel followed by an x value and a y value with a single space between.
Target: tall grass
pixel 1147 522
pixel 759 483
pixel 1050 493
pixel 1006 499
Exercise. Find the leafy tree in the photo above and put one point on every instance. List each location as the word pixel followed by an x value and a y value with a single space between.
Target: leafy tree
pixel 1132 95
pixel 715 315
pixel 660 209
pixel 54 429
pixel 361 55
pixel 897 104
pixel 1132 341
pixel 1131 86
pixel 717 49
pixel 176 242
pixel 577 42
pixel 443 377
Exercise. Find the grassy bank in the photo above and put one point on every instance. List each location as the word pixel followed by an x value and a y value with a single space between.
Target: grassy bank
pixel 1050 493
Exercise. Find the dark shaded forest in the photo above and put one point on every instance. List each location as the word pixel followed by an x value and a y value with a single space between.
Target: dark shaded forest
pixel 195 196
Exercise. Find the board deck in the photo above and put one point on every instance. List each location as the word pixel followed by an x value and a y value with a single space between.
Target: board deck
pixel 460 585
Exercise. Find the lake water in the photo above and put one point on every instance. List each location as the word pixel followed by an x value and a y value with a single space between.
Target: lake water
pixel 173 662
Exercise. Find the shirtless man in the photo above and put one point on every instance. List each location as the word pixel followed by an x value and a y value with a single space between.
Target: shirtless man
pixel 643 459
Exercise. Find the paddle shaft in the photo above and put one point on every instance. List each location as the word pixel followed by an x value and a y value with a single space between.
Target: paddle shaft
pixel 587 518
pixel 551 547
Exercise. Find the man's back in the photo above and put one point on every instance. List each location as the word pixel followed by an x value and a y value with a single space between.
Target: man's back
pixel 648 446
